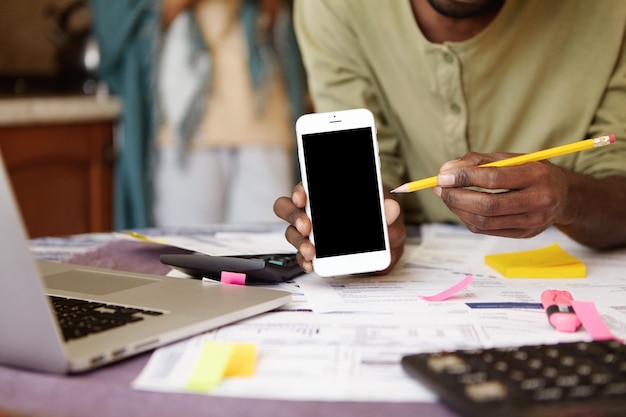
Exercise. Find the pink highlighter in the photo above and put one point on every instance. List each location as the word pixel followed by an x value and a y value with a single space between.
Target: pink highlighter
pixel 558 306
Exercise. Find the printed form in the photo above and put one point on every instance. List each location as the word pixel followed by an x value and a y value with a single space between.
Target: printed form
pixel 342 338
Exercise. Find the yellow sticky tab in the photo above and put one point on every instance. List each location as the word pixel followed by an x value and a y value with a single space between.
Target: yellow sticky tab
pixel 242 361
pixel 219 360
pixel 210 367
pixel 144 238
pixel 549 262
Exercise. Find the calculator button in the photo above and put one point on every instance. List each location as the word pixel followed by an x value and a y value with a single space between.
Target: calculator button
pixel 486 391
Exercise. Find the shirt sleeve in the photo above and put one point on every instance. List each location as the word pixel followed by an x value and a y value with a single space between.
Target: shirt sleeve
pixel 610 117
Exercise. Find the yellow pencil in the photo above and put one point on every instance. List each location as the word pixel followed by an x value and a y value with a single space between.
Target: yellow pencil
pixel 409 187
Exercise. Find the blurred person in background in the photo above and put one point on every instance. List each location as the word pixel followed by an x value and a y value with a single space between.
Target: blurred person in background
pixel 230 85
pixel 210 92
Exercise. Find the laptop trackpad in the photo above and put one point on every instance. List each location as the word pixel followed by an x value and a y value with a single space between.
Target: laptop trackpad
pixel 91 282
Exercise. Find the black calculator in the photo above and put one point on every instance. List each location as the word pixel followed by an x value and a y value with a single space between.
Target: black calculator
pixel 578 379
pixel 259 269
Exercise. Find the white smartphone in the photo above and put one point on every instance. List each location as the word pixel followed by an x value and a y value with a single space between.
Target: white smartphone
pixel 340 169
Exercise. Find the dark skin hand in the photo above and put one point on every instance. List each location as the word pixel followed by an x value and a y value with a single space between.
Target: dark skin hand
pixel 540 195
pixel 292 211
pixel 532 197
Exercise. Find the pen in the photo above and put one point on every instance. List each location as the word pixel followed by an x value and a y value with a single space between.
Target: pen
pixel 409 187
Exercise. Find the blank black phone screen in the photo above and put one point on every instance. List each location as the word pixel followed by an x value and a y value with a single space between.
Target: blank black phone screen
pixel 343 192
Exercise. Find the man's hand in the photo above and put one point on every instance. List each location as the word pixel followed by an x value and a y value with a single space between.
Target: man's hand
pixel 530 197
pixel 297 233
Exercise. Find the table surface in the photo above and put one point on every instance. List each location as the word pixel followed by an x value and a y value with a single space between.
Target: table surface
pixel 107 391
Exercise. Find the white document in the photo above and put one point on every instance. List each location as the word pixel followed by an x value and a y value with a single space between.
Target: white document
pixel 306 356
pixel 348 347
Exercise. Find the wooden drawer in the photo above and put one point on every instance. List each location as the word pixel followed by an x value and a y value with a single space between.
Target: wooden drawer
pixel 62 176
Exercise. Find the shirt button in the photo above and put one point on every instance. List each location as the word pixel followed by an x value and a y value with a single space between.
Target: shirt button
pixel 448 57
pixel 455 108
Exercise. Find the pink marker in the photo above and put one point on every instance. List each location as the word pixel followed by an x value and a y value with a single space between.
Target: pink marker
pixel 558 306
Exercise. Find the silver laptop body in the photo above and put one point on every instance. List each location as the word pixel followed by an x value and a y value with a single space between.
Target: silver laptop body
pixel 30 336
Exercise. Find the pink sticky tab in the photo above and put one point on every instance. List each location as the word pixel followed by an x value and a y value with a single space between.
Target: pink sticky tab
pixel 444 295
pixel 592 321
pixel 236 278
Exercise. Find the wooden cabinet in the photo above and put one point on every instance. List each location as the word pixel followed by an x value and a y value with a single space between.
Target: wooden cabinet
pixel 62 175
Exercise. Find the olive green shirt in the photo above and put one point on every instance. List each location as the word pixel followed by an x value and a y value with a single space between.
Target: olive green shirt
pixel 543 73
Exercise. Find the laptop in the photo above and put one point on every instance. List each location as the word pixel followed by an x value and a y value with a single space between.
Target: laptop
pixel 155 310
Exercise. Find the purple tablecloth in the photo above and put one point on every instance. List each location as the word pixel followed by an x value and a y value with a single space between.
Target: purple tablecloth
pixel 107 393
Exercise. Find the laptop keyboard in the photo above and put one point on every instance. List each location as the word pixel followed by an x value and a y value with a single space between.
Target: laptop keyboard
pixel 566 380
pixel 79 318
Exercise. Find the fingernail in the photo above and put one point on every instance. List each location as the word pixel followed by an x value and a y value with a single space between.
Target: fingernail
pixel 437 190
pixel 445 179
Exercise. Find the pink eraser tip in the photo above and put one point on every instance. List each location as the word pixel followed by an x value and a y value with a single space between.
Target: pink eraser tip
pixel 611 138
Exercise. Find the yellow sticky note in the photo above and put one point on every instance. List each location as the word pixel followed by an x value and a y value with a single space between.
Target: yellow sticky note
pixel 219 360
pixel 242 360
pixel 210 367
pixel 549 262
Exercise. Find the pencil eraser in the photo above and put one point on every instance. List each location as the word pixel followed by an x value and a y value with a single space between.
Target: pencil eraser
pixel 611 138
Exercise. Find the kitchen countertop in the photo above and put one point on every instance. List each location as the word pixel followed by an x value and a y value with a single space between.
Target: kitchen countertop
pixel 21 111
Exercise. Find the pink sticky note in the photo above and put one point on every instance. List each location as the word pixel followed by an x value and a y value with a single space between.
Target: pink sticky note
pixel 592 321
pixel 236 278
pixel 445 294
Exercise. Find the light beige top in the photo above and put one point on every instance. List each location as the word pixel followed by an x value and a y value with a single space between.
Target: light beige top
pixel 233 117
